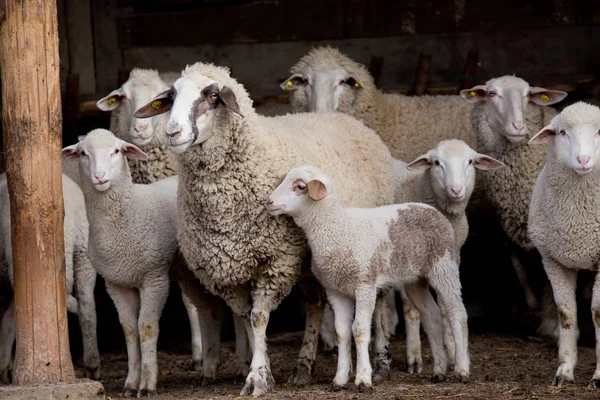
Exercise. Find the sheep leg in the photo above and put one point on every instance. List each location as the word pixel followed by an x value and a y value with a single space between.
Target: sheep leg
pixel 85 282
pixel 259 380
pixel 382 330
pixel 153 296
pixel 595 382
pixel 549 325
pixel 7 339
pixel 412 322
pixel 448 336
pixel 192 313
pixel 446 283
pixel 530 298
pixel 564 286
pixel 366 297
pixel 243 355
pixel 327 332
pixel 127 303
pixel 343 307
pixel 418 293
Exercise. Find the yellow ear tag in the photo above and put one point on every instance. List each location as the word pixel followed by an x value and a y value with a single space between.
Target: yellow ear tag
pixel 155 104
pixel 288 84
pixel 545 98
pixel 111 101
pixel 471 94
pixel 357 84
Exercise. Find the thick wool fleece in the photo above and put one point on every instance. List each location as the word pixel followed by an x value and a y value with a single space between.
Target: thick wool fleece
pixel 225 232
pixel 408 125
pixel 161 162
pixel 509 189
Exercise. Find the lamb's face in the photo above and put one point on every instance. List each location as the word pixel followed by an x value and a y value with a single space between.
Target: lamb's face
pixel 323 87
pixel 575 137
pixel 452 166
pixel 297 190
pixel 102 157
pixel 506 101
pixel 135 93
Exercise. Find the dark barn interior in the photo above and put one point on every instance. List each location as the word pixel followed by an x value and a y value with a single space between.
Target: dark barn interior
pixel 410 47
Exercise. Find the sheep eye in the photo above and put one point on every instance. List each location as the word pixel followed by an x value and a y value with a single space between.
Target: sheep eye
pixel 213 96
pixel 562 132
pixel 470 162
pixel 116 151
pixel 301 187
pixel 436 162
pixel 491 93
pixel 82 153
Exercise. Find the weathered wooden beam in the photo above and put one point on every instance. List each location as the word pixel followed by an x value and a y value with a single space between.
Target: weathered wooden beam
pixel 468 78
pixel 32 137
pixel 422 75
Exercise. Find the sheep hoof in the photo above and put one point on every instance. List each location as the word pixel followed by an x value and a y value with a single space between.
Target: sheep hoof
pixel 336 388
pixel 437 378
pixel 206 381
pixel 92 373
pixel 6 376
pixel 363 388
pixel 415 367
pixel 300 375
pixel 129 392
pixel 594 384
pixel 146 393
pixel 196 365
pixel 258 382
pixel 560 380
pixel 330 352
pixel 241 373
pixel 382 372
pixel 462 377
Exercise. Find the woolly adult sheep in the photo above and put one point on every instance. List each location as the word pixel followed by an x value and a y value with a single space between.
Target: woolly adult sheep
pixel 564 222
pixel 327 80
pixel 356 251
pixel 507 110
pixel 231 159
pixel 80 277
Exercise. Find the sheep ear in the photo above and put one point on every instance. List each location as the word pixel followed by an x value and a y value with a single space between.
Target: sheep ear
pixel 544 135
pixel 316 190
pixel 159 105
pixel 545 97
pixel 421 163
pixel 293 82
pixel 132 151
pixel 486 163
pixel 474 94
pixel 228 98
pixel 353 83
pixel 112 101
pixel 70 152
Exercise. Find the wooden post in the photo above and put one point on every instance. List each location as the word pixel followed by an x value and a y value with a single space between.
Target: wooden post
pixel 29 67
pixel 422 75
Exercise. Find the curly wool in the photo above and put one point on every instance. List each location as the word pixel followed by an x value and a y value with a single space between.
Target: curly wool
pixel 408 125
pixel 509 189
pixel 225 232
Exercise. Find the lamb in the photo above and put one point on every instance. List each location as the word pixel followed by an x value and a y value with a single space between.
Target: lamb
pixel 356 251
pixel 231 159
pixel 141 87
pixel 502 118
pixel 80 277
pixel 564 222
pixel 327 80
pixel 132 245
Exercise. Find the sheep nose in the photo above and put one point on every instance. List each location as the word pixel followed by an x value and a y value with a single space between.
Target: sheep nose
pixel 175 133
pixel 269 200
pixel 518 125
pixel 99 175
pixel 457 189
pixel 583 159
pixel 141 127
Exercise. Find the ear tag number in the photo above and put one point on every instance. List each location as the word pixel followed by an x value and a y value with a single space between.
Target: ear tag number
pixel 545 98
pixel 111 101
pixel 155 104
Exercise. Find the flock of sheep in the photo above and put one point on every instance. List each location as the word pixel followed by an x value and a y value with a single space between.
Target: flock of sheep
pixel 192 185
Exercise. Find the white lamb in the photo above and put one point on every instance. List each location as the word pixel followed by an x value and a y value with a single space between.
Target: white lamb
pixel 507 111
pixel 132 245
pixel 356 251
pixel 80 277
pixel 564 222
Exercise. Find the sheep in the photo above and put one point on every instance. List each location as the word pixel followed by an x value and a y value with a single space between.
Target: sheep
pixel 141 87
pixel 80 277
pixel 507 110
pixel 327 80
pixel 564 222
pixel 356 251
pixel 231 158
pixel 132 245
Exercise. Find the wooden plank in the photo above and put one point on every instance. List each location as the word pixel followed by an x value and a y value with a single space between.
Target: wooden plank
pixel 81 44
pixel 32 136
pixel 422 75
pixel 265 21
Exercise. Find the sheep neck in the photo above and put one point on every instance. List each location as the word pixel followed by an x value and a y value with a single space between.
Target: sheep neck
pixel 325 224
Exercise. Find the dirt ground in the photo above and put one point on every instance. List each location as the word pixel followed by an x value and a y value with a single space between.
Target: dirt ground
pixel 503 367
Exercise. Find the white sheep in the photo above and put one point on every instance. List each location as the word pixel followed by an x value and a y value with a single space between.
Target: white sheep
pixel 149 134
pixel 80 277
pixel 356 251
pixel 132 245
pixel 327 80
pixel 564 222
pixel 231 159
pixel 507 110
